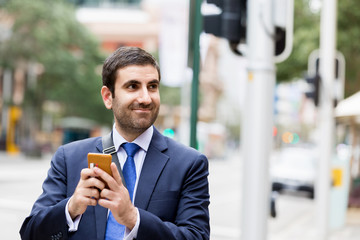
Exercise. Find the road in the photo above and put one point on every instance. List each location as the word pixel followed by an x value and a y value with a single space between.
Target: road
pixel 295 219
pixel 225 207
pixel 21 179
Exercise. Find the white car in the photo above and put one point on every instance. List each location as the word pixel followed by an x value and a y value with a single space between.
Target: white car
pixel 294 169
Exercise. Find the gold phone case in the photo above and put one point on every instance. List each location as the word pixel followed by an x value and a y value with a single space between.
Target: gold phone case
pixel 100 160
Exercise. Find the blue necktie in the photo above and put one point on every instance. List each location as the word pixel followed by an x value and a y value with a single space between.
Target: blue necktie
pixel 114 230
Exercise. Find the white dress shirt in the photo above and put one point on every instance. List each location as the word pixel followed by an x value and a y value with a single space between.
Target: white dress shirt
pixel 143 141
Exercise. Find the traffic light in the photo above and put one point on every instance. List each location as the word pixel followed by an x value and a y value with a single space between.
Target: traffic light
pixel 283 19
pixel 314 91
pixel 229 22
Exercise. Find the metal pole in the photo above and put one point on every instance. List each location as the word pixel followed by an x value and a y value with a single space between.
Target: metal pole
pixel 258 120
pixel 194 53
pixel 326 121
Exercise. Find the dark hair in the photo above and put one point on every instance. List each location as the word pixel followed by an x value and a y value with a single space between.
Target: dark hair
pixel 123 57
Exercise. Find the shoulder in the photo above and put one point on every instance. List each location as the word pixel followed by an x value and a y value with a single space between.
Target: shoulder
pixel 184 156
pixel 83 142
pixel 171 147
pixel 175 146
pixel 81 147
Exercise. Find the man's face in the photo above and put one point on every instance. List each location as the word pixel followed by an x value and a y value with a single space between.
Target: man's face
pixel 137 99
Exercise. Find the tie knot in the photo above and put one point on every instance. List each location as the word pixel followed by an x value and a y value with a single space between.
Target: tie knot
pixel 130 148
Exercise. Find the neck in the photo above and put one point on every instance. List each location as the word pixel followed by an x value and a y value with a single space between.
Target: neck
pixel 129 136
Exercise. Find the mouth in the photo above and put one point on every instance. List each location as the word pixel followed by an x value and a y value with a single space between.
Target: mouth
pixel 142 107
pixel 142 110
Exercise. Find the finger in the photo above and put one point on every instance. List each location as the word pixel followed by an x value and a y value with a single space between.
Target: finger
pixel 116 182
pixel 97 183
pixel 93 182
pixel 110 195
pixel 115 173
pixel 105 203
pixel 88 193
pixel 90 201
pixel 95 194
pixel 105 177
pixel 93 202
pixel 86 173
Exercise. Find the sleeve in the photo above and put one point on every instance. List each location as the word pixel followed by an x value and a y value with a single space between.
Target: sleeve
pixel 129 235
pixel 47 218
pixel 192 217
pixel 73 224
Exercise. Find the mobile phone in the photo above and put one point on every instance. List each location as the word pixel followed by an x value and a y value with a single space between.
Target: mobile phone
pixel 101 161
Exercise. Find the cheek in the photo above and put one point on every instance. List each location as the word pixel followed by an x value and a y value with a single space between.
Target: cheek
pixel 124 102
pixel 156 98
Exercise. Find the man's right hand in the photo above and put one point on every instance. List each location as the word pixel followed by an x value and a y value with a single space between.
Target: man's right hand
pixel 87 193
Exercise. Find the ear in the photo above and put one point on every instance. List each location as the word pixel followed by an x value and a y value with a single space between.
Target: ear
pixel 107 97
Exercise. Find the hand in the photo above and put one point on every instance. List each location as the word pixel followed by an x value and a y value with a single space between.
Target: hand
pixel 117 198
pixel 86 192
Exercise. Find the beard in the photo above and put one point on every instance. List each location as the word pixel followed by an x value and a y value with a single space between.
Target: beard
pixel 132 122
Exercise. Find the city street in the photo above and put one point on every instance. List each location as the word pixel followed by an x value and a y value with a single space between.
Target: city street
pixel 21 178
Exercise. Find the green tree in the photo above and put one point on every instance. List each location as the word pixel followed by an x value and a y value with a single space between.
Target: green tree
pixel 307 37
pixel 348 33
pixel 47 33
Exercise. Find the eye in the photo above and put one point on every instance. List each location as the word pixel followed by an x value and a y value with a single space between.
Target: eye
pixel 153 86
pixel 132 86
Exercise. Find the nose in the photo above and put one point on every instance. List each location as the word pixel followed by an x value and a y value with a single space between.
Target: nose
pixel 144 96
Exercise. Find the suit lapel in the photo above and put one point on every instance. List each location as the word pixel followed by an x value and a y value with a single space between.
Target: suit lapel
pixel 99 145
pixel 154 163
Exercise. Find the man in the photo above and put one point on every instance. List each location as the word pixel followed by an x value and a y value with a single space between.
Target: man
pixel 170 198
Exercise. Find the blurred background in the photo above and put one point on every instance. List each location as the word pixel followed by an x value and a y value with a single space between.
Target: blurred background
pixel 51 55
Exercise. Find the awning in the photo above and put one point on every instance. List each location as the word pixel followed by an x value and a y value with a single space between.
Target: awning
pixel 348 110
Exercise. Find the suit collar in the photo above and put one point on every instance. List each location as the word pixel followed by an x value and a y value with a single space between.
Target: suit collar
pixel 98 145
pixel 158 141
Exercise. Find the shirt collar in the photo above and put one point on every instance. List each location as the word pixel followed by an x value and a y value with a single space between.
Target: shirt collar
pixel 143 140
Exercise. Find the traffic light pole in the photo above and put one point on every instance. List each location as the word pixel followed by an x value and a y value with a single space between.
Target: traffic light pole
pixel 326 118
pixel 194 56
pixel 258 120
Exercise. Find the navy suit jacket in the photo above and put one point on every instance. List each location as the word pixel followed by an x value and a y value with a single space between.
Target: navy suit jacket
pixel 172 194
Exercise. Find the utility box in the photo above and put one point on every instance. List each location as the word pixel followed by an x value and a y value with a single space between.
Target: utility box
pixel 339 194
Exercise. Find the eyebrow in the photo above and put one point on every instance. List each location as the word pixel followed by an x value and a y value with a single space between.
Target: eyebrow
pixel 155 81
pixel 133 81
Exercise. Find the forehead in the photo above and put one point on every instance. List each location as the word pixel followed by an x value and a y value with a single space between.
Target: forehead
pixel 137 72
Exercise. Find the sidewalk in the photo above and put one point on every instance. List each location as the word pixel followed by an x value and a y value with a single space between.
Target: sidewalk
pixel 20 186
pixel 305 228
pixel 296 218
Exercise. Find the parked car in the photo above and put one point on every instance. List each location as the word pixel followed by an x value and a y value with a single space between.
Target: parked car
pixel 294 169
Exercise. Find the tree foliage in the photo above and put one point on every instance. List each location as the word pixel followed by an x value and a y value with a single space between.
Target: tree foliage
pixel 47 33
pixel 348 34
pixel 307 39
